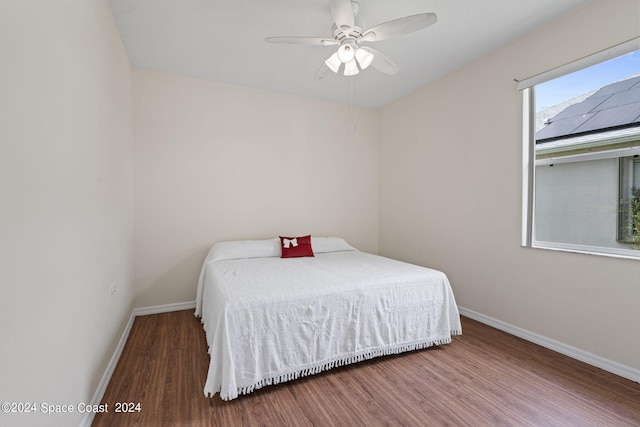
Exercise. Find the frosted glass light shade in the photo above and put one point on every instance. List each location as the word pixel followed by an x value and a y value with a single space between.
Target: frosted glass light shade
pixel 351 68
pixel 346 53
pixel 333 62
pixel 364 58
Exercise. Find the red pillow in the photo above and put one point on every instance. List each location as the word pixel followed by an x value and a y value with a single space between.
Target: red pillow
pixel 293 247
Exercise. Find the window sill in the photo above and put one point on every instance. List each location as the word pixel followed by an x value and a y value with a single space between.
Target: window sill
pixel 588 250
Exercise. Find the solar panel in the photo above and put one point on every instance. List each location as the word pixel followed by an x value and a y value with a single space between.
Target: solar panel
pixel 621 98
pixel 614 105
pixel 612 117
pixel 562 127
pixel 616 87
pixel 581 108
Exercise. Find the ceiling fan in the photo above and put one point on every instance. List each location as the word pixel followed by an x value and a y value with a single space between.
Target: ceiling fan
pixel 351 39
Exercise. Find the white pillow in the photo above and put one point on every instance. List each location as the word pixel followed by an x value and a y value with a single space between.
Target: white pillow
pixel 244 249
pixel 330 244
pixel 240 249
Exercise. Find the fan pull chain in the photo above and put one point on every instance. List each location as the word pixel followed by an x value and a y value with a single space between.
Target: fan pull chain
pixel 351 94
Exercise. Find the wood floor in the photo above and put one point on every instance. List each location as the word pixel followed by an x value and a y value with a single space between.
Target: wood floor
pixel 485 377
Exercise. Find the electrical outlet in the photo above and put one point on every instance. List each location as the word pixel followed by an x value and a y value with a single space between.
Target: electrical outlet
pixel 113 288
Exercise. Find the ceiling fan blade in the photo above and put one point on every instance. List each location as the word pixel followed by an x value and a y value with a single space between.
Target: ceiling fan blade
pixel 321 41
pixel 342 13
pixel 400 26
pixel 322 72
pixel 381 62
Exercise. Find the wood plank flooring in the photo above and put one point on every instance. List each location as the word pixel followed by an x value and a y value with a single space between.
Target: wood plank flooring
pixel 485 377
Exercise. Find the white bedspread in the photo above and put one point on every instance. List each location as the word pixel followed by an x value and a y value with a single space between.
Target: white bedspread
pixel 270 320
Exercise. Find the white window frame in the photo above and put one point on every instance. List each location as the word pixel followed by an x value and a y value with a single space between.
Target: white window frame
pixel 629 171
pixel 529 162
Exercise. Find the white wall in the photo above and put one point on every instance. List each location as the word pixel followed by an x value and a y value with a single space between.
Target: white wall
pixel 217 162
pixel 66 211
pixel 450 194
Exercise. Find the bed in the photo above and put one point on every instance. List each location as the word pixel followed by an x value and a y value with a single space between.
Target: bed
pixel 269 319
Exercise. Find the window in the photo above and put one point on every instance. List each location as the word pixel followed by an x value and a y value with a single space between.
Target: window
pixel 629 220
pixel 582 157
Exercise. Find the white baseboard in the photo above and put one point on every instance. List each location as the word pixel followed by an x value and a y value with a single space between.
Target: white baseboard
pixel 106 377
pixel 165 308
pixel 87 419
pixel 576 353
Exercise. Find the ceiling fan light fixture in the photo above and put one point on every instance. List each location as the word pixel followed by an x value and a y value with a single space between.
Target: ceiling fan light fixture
pixel 346 52
pixel 333 62
pixel 349 36
pixel 351 68
pixel 364 58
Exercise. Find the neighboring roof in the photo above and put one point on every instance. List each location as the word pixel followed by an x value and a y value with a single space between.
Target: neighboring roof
pixel 611 107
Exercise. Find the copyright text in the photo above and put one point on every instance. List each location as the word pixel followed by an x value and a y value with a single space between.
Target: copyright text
pixel 48 408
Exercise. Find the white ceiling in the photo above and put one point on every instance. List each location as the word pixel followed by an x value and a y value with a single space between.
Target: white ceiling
pixel 223 40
